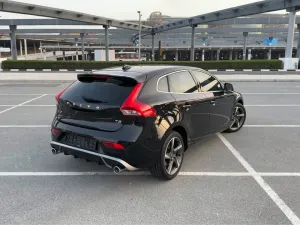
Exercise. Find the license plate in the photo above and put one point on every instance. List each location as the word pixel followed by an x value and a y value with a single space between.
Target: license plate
pixel 80 141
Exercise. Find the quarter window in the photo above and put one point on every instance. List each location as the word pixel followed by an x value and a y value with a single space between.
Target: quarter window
pixel 163 85
pixel 182 82
pixel 207 82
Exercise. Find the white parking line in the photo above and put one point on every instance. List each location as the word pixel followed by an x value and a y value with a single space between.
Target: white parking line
pixel 20 94
pixel 22 104
pixel 145 173
pixel 29 105
pixel 266 93
pixel 274 126
pixel 272 105
pixel 25 126
pixel 279 174
pixel 272 194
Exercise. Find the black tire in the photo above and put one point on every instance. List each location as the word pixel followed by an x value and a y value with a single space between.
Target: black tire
pixel 242 110
pixel 159 170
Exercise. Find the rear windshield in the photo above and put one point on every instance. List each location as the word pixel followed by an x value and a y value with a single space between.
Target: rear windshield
pixel 111 90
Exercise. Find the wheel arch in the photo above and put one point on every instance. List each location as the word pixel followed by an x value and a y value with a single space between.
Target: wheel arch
pixel 182 131
pixel 240 100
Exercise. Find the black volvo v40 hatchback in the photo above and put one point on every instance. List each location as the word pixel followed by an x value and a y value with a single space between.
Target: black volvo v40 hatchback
pixel 139 117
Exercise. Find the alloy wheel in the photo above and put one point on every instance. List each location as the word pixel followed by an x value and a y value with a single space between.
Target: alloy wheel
pixel 238 118
pixel 173 155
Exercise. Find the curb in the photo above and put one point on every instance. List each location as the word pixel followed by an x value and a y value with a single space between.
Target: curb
pixel 85 70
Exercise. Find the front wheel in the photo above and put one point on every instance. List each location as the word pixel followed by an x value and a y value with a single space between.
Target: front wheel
pixel 171 157
pixel 239 118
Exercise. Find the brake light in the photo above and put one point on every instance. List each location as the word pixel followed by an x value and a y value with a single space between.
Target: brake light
pixel 113 145
pixel 133 107
pixel 57 97
pixel 100 77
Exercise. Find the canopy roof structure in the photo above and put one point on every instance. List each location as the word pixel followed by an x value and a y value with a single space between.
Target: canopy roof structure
pixel 37 10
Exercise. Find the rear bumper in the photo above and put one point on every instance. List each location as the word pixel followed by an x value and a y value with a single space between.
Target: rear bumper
pixel 142 145
pixel 67 148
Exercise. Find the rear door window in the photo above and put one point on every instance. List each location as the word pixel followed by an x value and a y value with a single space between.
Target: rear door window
pixel 182 82
pixel 207 82
pixel 106 90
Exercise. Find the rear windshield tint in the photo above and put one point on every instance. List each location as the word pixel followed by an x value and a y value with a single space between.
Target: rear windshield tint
pixel 112 90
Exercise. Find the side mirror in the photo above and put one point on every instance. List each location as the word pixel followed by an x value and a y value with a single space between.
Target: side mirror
pixel 228 87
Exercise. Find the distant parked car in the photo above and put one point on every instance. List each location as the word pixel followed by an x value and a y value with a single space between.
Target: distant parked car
pixel 140 117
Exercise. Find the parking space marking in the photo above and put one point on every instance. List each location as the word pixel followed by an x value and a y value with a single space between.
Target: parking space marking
pixel 22 104
pixel 272 194
pixel 19 94
pixel 29 105
pixel 145 173
pixel 266 93
pixel 279 174
pixel 25 126
pixel 274 126
pixel 272 105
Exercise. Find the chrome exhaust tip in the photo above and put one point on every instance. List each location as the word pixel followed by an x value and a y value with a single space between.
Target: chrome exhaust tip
pixel 117 169
pixel 55 152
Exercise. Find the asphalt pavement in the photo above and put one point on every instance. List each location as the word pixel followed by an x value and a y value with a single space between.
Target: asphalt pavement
pixel 249 177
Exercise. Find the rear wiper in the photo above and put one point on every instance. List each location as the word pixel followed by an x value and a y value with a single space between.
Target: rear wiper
pixel 91 100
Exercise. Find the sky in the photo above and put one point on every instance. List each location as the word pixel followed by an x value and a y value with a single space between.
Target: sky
pixel 127 9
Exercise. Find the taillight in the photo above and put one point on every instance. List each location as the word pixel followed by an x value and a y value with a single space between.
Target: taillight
pixel 113 145
pixel 57 97
pixel 55 132
pixel 133 107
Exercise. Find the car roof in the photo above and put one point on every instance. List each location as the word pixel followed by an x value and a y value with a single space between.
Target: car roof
pixel 141 73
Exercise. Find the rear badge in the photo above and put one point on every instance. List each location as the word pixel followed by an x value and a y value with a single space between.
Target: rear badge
pixel 84 106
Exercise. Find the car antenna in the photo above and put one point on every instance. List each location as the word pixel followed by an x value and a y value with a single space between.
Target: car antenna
pixel 125 68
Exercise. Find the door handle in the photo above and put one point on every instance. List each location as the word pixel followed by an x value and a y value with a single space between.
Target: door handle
pixel 213 102
pixel 187 106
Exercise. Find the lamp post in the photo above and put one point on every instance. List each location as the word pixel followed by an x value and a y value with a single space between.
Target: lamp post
pixel 140 31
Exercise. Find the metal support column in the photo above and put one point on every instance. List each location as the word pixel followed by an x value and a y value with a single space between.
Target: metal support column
pixel 21 47
pixel 249 54
pixel 290 37
pixel 230 54
pixel 76 43
pixel 41 47
pixel 13 42
pixel 82 45
pixel 106 43
pixel 153 49
pixel 218 54
pixel 192 54
pixel 64 55
pixel 140 34
pixel 245 34
pixel 176 55
pixel 25 48
pixel 298 43
pixel 203 55
pixel 270 54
